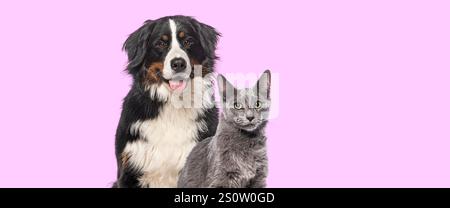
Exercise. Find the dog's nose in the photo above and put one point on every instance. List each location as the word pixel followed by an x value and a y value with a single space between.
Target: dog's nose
pixel 250 118
pixel 178 64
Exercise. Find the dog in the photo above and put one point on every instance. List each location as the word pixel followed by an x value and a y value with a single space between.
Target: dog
pixel 156 131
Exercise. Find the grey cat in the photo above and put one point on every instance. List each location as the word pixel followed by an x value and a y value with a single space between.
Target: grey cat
pixel 235 157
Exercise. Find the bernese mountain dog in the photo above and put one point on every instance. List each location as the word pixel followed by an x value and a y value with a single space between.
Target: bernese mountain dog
pixel 170 106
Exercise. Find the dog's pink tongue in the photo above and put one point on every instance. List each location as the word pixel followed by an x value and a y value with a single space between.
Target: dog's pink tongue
pixel 174 85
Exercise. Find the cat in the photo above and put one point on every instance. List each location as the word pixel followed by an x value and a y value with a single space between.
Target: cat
pixel 235 157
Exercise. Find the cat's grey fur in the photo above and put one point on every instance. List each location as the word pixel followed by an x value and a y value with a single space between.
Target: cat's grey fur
pixel 236 156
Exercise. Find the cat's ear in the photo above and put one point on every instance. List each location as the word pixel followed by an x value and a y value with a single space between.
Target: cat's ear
pixel 226 89
pixel 262 86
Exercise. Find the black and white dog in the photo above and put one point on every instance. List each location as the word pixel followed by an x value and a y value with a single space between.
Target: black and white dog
pixel 170 107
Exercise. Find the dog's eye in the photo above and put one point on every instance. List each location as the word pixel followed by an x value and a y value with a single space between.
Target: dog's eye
pixel 237 106
pixel 160 44
pixel 258 104
pixel 188 42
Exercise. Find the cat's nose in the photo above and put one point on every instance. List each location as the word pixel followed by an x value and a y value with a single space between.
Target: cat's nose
pixel 250 118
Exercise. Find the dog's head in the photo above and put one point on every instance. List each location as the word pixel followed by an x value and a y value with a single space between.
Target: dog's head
pixel 163 52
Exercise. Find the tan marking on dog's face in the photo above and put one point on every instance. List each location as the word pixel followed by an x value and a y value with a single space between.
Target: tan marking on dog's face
pixel 124 157
pixel 205 71
pixel 165 37
pixel 152 72
pixel 194 62
pixel 181 34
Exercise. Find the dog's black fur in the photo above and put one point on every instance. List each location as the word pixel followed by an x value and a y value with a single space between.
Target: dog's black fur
pixel 142 51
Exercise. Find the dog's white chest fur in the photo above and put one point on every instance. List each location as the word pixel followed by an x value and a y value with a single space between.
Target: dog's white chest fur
pixel 164 144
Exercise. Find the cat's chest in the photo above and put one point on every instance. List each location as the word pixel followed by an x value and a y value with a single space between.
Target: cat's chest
pixel 249 149
pixel 247 156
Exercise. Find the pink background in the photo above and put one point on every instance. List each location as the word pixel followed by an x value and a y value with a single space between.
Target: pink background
pixel 364 93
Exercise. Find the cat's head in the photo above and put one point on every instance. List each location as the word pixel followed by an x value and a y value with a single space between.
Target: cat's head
pixel 248 108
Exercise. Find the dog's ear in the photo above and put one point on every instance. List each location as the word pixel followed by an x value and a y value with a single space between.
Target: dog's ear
pixel 136 46
pixel 208 39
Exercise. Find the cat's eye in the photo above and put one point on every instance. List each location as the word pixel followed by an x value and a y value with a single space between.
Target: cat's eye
pixel 258 104
pixel 237 106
